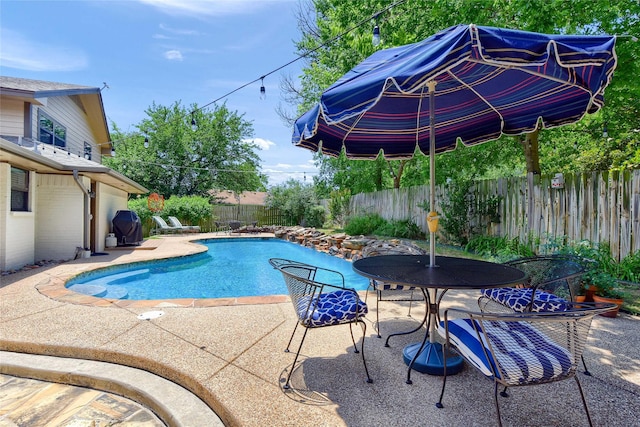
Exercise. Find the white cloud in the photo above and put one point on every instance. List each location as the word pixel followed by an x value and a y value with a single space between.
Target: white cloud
pixel 263 144
pixel 198 8
pixel 180 31
pixel 18 52
pixel 173 55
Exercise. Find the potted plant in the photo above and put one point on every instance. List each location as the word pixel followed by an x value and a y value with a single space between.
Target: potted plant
pixel 605 288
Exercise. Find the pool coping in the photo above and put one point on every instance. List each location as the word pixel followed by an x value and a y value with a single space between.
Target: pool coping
pixel 56 288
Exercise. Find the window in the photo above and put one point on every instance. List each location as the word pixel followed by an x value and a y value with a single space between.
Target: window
pixel 19 190
pixel 87 150
pixel 50 131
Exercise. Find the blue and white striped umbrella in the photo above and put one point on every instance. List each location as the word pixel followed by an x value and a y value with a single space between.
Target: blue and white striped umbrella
pixel 468 83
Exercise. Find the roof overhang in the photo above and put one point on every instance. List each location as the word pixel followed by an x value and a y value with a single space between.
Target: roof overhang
pixel 29 159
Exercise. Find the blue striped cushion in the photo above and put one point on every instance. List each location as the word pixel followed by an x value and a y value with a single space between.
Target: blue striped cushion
pixel 525 354
pixel 332 308
pixel 519 298
pixel 387 286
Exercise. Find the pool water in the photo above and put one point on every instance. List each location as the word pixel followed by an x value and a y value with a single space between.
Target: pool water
pixel 230 268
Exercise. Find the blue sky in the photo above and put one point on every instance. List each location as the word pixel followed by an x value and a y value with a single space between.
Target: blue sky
pixel 164 51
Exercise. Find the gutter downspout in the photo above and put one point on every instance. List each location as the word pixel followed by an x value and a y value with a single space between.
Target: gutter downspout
pixel 87 194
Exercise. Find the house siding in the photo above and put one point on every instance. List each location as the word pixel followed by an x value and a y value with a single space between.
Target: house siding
pixel 12 117
pixel 59 217
pixel 18 228
pixel 70 115
pixel 109 201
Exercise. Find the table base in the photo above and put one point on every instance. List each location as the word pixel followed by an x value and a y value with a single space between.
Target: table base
pixel 431 359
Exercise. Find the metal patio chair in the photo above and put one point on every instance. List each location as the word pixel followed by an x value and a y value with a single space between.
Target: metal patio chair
pixel 553 281
pixel 318 304
pixel 521 348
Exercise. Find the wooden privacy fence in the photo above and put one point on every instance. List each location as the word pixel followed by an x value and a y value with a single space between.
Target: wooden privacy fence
pixel 602 207
pixel 248 214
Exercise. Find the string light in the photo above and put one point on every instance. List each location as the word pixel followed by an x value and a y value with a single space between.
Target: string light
pixel 304 55
pixel 263 91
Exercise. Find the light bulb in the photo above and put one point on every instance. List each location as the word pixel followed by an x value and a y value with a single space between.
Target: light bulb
pixel 376 36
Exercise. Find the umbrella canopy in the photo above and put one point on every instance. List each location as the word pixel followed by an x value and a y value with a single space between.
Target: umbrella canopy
pixel 467 83
pixel 488 82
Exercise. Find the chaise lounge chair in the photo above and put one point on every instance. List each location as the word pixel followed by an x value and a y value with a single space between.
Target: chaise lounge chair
pixel 175 222
pixel 162 227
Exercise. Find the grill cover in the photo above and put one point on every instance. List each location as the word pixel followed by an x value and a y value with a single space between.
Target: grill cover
pixel 128 228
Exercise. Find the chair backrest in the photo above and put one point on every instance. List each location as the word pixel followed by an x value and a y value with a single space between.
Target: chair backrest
pixel 303 285
pixel 534 348
pixel 161 222
pixel 299 280
pixel 556 274
pixel 175 222
pixel 235 225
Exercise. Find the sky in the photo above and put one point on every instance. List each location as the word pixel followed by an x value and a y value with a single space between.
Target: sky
pixel 164 51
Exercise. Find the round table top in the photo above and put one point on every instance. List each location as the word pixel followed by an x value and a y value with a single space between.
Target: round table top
pixel 449 272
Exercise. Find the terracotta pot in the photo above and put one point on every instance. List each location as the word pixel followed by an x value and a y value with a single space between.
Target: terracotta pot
pixel 581 298
pixel 616 301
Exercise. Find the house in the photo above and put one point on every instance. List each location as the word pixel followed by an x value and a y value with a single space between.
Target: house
pixel 246 197
pixel 55 194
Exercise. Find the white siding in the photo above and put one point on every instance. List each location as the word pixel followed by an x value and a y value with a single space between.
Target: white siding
pixel 59 217
pixel 12 117
pixel 69 114
pixel 109 200
pixel 16 228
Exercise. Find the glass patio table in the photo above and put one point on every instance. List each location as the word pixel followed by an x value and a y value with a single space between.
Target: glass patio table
pixel 448 273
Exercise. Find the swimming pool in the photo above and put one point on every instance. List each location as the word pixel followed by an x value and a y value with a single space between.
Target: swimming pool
pixel 230 268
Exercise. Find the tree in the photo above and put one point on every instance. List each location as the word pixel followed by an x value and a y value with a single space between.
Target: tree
pixel 297 201
pixel 323 20
pixel 178 160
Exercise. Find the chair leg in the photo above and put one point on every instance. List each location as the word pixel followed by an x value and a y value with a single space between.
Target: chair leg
pixel 291 339
pixel 353 340
pixel 495 399
pixel 586 371
pixel 584 401
pixel 295 360
pixel 444 375
pixel 504 393
pixel 364 361
pixel 378 297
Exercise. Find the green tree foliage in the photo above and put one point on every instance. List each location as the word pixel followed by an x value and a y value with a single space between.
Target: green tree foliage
pixel 188 209
pixel 181 161
pixel 297 201
pixel 579 147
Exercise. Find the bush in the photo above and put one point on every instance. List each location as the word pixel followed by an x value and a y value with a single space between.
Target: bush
pixel 314 217
pixel 500 248
pixel 188 209
pixel 404 228
pixel 366 224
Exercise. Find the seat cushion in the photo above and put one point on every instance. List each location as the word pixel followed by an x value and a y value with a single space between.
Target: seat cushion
pixel 524 354
pixel 330 309
pixel 387 286
pixel 518 299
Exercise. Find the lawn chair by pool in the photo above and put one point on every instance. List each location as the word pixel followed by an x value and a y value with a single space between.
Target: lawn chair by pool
pixel 161 227
pixel 520 348
pixel 320 304
pixel 234 226
pixel 175 222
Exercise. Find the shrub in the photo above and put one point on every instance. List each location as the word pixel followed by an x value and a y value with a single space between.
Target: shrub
pixel 314 216
pixel 365 224
pixel 404 228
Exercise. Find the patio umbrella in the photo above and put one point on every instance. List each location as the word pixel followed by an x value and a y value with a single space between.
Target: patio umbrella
pixel 468 83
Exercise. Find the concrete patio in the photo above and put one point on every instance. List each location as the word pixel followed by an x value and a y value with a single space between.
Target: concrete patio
pixel 230 353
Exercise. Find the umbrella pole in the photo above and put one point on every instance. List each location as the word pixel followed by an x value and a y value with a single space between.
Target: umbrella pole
pixel 432 167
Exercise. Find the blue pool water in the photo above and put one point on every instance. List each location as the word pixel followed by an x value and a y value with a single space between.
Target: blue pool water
pixel 230 268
